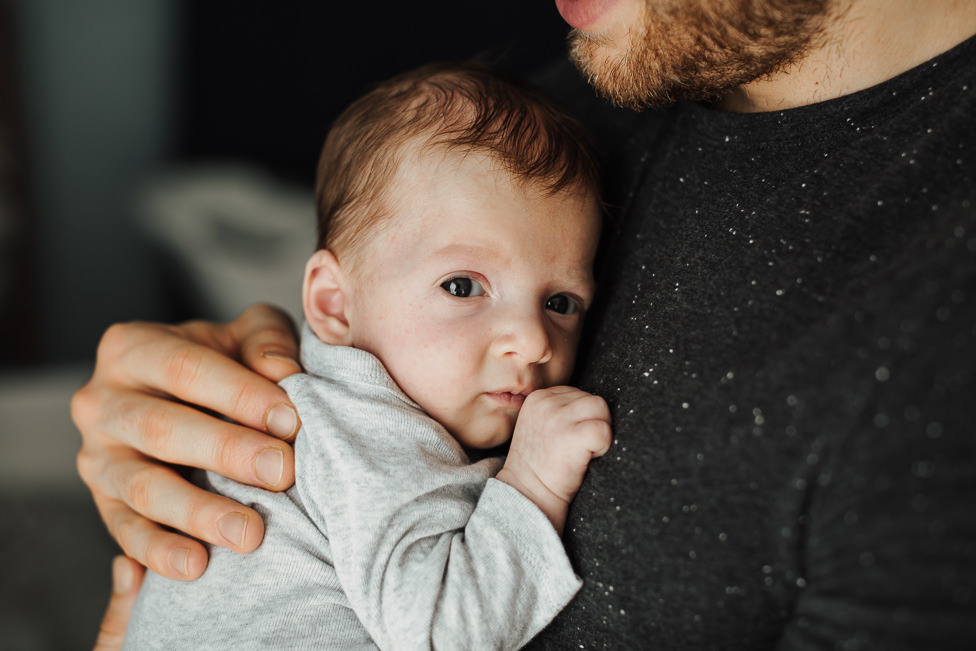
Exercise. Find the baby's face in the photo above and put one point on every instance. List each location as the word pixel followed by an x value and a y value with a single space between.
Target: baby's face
pixel 473 292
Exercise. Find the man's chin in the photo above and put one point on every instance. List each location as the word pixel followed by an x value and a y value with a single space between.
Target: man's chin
pixel 614 70
pixel 679 55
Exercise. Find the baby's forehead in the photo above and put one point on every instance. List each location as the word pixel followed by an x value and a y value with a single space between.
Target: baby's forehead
pixel 420 161
pixel 468 193
pixel 436 192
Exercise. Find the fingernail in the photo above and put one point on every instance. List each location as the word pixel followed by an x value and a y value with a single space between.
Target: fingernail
pixel 233 527
pixel 282 421
pixel 178 560
pixel 121 575
pixel 269 466
pixel 281 357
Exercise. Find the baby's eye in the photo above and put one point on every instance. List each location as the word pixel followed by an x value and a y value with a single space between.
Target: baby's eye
pixel 463 287
pixel 562 304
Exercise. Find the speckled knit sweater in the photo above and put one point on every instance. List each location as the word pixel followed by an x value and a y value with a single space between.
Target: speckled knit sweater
pixel 787 338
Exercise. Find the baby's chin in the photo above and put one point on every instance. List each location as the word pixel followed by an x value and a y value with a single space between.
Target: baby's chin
pixel 477 454
pixel 489 433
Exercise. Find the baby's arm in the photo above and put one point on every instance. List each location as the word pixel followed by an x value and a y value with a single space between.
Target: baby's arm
pixel 430 551
pixel 558 432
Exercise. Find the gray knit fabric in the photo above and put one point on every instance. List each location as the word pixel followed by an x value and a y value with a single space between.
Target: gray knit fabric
pixel 390 538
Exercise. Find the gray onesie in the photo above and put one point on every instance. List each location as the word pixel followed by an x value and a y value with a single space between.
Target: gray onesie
pixel 389 538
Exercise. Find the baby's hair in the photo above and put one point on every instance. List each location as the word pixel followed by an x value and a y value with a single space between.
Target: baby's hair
pixel 452 107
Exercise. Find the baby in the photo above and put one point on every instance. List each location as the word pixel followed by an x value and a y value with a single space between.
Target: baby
pixel 458 218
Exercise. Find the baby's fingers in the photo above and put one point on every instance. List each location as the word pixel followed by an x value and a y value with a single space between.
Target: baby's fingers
pixel 593 435
pixel 589 416
pixel 586 406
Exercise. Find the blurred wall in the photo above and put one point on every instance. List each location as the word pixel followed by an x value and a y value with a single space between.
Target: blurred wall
pixel 98 101
pixel 119 95
pixel 114 91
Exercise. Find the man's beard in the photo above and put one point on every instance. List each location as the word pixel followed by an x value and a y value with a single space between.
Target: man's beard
pixel 697 49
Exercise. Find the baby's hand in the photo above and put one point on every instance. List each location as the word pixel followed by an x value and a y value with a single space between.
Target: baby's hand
pixel 559 430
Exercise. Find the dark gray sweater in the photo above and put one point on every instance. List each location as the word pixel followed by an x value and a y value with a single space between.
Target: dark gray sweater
pixel 787 338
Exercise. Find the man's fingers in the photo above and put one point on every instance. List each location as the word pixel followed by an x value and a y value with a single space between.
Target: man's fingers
pixel 133 494
pixel 127 576
pixel 131 425
pixel 165 553
pixel 183 435
pixel 267 342
pixel 205 377
pixel 147 493
pixel 189 362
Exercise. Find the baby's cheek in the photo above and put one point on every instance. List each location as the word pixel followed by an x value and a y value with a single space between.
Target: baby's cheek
pixel 440 384
pixel 560 368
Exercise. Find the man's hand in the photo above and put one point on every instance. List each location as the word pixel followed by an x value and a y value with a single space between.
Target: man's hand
pixel 558 432
pixel 127 576
pixel 138 414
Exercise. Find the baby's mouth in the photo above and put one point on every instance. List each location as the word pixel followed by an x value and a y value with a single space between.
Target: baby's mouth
pixel 507 399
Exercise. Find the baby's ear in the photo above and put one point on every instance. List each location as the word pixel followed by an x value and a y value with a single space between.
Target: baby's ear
pixel 324 299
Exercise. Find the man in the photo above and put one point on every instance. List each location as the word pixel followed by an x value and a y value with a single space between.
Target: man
pixel 786 341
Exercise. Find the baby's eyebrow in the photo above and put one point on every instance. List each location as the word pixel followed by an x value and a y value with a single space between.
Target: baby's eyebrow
pixel 461 248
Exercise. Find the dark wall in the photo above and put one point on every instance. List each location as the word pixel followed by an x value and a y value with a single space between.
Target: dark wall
pixel 264 80
pixel 114 92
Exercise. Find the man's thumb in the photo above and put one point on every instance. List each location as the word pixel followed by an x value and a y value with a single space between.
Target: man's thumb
pixel 126 578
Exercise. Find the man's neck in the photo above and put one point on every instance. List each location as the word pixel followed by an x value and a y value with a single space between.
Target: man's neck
pixel 864 43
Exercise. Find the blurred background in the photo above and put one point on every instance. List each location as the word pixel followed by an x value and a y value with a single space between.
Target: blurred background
pixel 156 162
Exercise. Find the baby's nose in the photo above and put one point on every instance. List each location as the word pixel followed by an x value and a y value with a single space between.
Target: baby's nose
pixel 526 338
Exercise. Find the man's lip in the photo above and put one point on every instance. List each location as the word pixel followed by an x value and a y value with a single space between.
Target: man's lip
pixel 582 14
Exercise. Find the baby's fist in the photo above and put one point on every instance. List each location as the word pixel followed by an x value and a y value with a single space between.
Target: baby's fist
pixel 559 430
